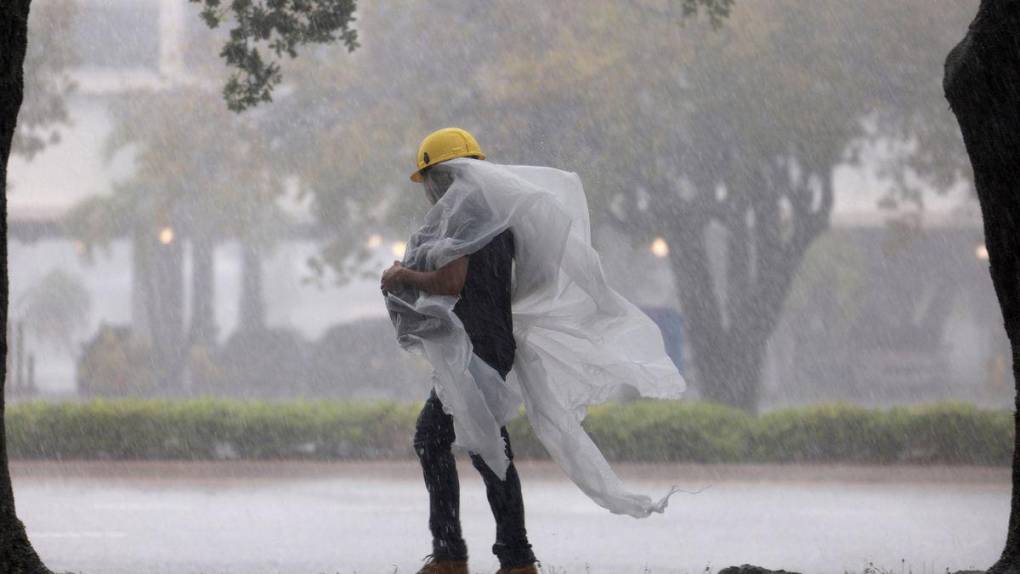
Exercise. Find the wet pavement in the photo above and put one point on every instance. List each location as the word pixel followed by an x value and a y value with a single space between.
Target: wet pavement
pixel 367 518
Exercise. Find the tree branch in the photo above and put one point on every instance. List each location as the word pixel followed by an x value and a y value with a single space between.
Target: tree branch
pixel 281 26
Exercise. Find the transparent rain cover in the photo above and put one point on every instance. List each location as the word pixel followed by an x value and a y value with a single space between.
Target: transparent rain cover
pixel 578 340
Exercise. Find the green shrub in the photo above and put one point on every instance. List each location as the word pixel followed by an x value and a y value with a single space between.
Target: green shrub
pixel 955 433
pixel 204 429
pixel 113 363
pixel 669 431
pixel 827 433
pixel 644 431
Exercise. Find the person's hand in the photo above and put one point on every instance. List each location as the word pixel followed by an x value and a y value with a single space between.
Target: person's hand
pixel 391 278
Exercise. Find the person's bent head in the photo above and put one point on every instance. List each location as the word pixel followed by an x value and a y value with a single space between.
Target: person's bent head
pixel 438 147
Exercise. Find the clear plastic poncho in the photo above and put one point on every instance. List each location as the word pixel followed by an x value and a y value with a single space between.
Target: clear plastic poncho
pixel 578 340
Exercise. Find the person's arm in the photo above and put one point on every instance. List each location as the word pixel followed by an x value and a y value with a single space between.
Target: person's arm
pixel 447 280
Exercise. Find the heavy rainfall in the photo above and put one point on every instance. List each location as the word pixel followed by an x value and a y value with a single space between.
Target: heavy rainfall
pixel 203 375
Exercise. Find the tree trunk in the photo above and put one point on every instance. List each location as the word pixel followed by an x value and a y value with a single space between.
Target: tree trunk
pixel 730 332
pixel 982 84
pixel 253 305
pixel 203 292
pixel 16 553
pixel 700 306
pixel 161 271
pixel 740 368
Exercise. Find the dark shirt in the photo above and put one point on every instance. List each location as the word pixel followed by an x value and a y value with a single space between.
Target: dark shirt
pixel 484 305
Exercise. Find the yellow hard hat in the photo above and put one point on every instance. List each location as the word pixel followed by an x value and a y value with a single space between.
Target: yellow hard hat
pixel 444 145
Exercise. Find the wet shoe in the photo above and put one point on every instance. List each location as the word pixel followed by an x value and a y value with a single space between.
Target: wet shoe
pixel 529 569
pixel 433 566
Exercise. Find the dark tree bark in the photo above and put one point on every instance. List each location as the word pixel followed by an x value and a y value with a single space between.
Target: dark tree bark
pixel 982 84
pixel 16 553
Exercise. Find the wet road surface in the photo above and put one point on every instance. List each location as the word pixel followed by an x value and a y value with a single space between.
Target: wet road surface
pixel 367 518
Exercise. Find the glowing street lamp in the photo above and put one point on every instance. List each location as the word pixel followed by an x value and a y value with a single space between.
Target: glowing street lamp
pixel 659 248
pixel 166 235
pixel 374 241
pixel 399 248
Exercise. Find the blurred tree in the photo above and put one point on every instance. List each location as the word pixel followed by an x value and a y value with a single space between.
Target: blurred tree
pixel 982 85
pixel 47 83
pixel 56 308
pixel 777 101
pixel 229 192
pixel 723 141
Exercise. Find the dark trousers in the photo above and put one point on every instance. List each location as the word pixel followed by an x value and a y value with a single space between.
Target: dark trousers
pixel 432 440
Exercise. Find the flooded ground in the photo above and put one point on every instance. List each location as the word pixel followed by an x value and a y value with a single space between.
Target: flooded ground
pixel 367 518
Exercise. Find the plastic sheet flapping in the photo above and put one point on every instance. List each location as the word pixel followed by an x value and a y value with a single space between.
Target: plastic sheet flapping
pixel 578 340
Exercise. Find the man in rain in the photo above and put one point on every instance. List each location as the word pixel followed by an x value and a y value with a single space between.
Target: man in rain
pixel 501 279
pixel 482 282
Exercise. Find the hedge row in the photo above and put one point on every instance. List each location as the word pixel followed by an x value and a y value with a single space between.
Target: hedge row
pixel 641 431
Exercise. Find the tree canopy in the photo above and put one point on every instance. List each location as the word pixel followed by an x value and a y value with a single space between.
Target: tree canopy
pixel 279 27
pixel 48 84
pixel 712 125
pixel 198 168
pixel 699 133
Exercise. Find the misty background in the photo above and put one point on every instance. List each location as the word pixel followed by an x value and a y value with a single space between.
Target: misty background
pixel 789 187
